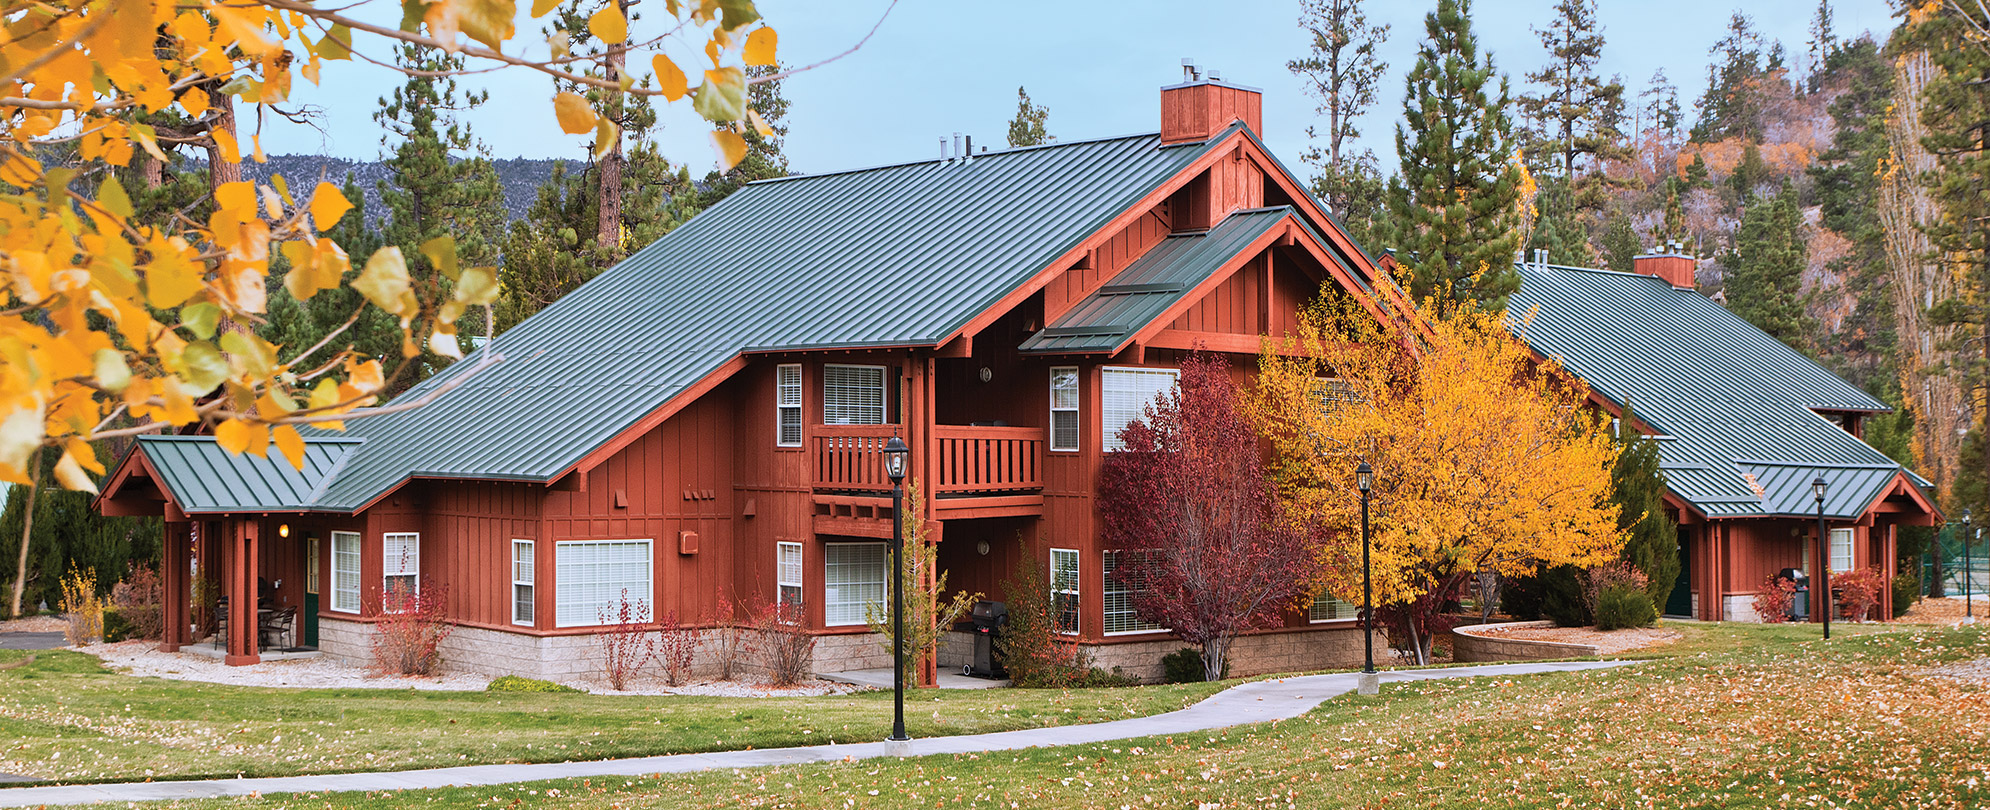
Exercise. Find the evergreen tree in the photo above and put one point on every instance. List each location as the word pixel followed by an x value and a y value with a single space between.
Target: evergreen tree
pixel 298 325
pixel 1661 104
pixel 1029 128
pixel 1340 72
pixel 1620 243
pixel 1557 229
pixel 1578 108
pixel 1651 538
pixel 1732 103
pixel 1456 199
pixel 763 152
pixel 1823 43
pixel 1673 229
pixel 1765 278
pixel 68 534
pixel 1846 183
pixel 1751 172
pixel 1696 173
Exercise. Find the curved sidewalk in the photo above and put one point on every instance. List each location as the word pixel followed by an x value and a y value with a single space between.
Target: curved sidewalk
pixel 1255 702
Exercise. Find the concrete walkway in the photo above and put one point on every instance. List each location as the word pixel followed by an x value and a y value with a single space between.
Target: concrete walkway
pixel 881 679
pixel 1255 702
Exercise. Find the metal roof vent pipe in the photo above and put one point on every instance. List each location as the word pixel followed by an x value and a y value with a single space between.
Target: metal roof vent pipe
pixel 968 155
pixel 956 146
pixel 943 148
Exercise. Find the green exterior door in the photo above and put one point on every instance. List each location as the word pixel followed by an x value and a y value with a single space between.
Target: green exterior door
pixel 1680 602
pixel 308 623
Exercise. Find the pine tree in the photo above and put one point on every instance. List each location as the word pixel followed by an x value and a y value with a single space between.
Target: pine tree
pixel 1696 173
pixel 1823 43
pixel 1577 106
pixel 1845 180
pixel 763 160
pixel 1620 243
pixel 1456 199
pixel 1557 229
pixel 1661 104
pixel 1751 172
pixel 1732 104
pixel 1651 538
pixel 1673 227
pixel 1028 128
pixel 1341 71
pixel 298 325
pixel 1765 279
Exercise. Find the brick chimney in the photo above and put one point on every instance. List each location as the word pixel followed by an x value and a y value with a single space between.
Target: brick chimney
pixel 1669 263
pixel 1203 104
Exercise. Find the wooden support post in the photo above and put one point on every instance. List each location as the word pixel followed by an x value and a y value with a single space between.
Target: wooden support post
pixel 173 586
pixel 242 567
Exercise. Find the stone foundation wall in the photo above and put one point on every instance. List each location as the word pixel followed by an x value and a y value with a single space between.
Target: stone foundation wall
pixel 1482 642
pixel 1303 651
pixel 1740 608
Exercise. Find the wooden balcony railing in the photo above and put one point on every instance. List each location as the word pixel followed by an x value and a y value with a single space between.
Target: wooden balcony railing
pixel 971 459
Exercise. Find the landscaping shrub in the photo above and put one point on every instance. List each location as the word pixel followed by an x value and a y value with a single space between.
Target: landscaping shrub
pixel 1623 605
pixel 1857 592
pixel 627 645
pixel 676 646
pixel 1521 597
pixel 1185 666
pixel 1906 590
pixel 84 609
pixel 408 637
pixel 137 599
pixel 206 604
pixel 1030 647
pixel 1773 599
pixel 787 649
pixel 514 683
pixel 116 627
pixel 1562 597
pixel 731 643
pixel 1096 678
pixel 1610 575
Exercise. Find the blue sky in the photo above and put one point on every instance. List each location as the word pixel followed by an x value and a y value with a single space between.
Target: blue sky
pixel 939 66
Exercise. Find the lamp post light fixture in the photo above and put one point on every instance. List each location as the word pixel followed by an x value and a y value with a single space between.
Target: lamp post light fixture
pixel 895 452
pixel 1817 489
pixel 1364 480
pixel 1968 593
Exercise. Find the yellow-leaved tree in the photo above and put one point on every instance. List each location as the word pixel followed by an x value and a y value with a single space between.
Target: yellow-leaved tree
pixel 1485 459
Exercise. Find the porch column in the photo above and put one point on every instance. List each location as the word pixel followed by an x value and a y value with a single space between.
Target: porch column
pixel 173 564
pixel 929 664
pixel 242 558
pixel 1890 563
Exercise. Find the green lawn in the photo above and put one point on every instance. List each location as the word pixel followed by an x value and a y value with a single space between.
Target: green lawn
pixel 1733 716
pixel 64 717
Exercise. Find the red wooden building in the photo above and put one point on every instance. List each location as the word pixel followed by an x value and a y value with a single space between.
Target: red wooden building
pixel 701 420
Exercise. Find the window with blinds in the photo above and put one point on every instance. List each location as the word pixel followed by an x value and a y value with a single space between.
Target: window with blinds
pixel 853 577
pixel 788 573
pixel 853 395
pixel 788 405
pixel 1334 393
pixel 1326 608
pixel 1064 408
pixel 1064 588
pixel 1841 550
pixel 1120 587
pixel 400 566
pixel 592 577
pixel 345 572
pixel 521 582
pixel 1124 394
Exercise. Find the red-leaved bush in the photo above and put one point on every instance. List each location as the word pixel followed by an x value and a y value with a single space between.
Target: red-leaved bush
pixel 787 648
pixel 137 600
pixel 1602 577
pixel 731 644
pixel 409 633
pixel 627 645
pixel 1773 599
pixel 676 646
pixel 1857 592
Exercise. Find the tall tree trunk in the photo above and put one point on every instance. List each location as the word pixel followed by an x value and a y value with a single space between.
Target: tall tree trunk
pixel 27 531
pixel 609 211
pixel 219 170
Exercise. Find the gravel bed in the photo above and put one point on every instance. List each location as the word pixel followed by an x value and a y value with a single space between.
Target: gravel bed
pixel 35 624
pixel 1977 671
pixel 142 658
pixel 723 689
pixel 1607 643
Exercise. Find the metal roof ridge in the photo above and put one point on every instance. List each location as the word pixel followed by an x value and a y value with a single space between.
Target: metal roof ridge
pixel 161 437
pixel 1823 465
pixel 909 163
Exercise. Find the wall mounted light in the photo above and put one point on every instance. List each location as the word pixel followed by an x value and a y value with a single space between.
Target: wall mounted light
pixel 283 530
pixel 982 547
pixel 987 374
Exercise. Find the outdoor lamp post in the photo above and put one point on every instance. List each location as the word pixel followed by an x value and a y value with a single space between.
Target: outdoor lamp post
pixel 1817 487
pixel 895 452
pixel 1364 480
pixel 1968 595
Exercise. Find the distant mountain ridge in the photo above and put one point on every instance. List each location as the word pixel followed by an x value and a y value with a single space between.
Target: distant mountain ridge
pixel 521 177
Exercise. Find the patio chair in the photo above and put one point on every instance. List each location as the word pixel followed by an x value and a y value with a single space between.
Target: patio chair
pixel 276 628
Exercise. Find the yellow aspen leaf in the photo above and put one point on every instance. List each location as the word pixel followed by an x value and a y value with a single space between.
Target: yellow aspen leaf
pixel 20 433
pixel 328 205
pixel 384 281
pixel 669 79
pixel 336 46
pixel 249 355
pixel 237 437
pixel 111 371
pixel 606 136
pixel 290 443
pixel 111 197
pixel 170 279
pixel 574 115
pixel 760 46
pixel 722 98
pixel 257 140
pixel 243 25
pixel 441 252
pixel 731 148
pixel 486 21
pixel 608 25
pixel 69 473
pixel 86 456
pixel 19 170
pixel 541 7
pixel 366 377
pixel 272 204
pixel 236 200
pixel 179 409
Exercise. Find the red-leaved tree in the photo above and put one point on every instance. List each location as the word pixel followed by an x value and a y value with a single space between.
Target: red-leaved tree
pixel 1197 520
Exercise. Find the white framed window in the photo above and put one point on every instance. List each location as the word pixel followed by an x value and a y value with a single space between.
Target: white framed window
pixel 1064 408
pixel 853 395
pixel 788 405
pixel 788 573
pixel 1334 393
pixel 1841 550
pixel 400 568
pixel 853 577
pixel 1124 394
pixel 311 551
pixel 592 577
pixel 1064 588
pixel 1118 592
pixel 345 572
pixel 1326 608
pixel 523 577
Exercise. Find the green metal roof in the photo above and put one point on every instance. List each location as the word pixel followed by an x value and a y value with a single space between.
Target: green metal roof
pixel 1731 401
pixel 1150 285
pixel 899 255
pixel 203 478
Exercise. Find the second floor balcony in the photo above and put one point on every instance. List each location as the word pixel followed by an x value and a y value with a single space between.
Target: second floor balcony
pixel 969 460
